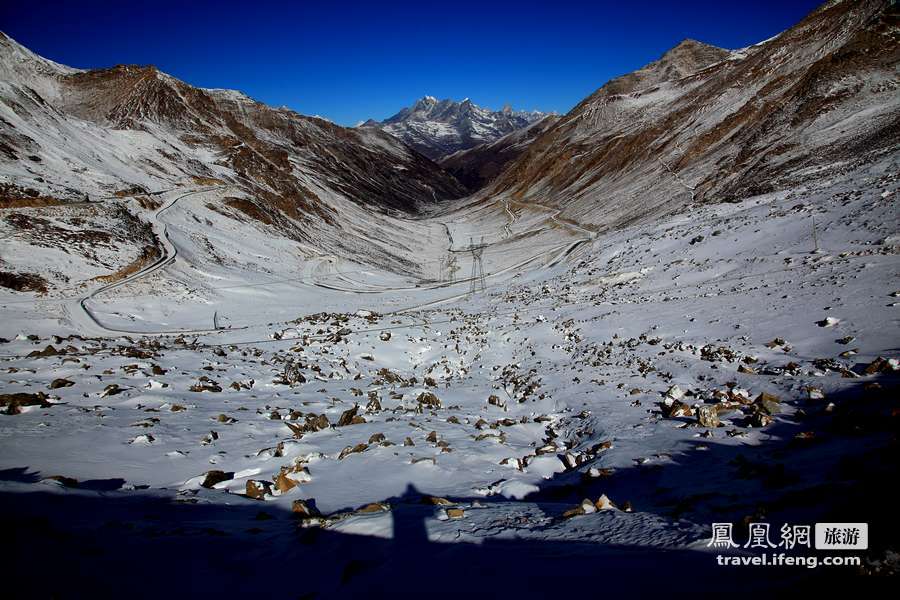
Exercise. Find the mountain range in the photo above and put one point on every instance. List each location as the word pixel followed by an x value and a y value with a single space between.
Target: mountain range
pixel 438 128
pixel 700 124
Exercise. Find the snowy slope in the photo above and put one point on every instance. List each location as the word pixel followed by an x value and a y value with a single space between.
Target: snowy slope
pixel 509 407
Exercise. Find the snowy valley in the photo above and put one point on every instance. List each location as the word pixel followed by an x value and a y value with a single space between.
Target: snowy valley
pixel 308 360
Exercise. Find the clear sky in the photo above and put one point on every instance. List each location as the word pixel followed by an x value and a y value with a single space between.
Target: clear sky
pixel 349 61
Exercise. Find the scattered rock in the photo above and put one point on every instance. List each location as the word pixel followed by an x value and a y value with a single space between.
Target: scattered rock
pixel 214 477
pixel 111 390
pixel 881 365
pixel 814 393
pixel 258 489
pixel 13 402
pixel 205 384
pixel 283 483
pixel 768 403
pixel 760 419
pixel 436 501
pixel 604 503
pixel 143 440
pixel 352 450
pixel 676 409
pixel 673 393
pixel 46 352
pixel 304 509
pixel 428 400
pixel 708 416
pixel 70 482
pixel 60 383
pixel 347 416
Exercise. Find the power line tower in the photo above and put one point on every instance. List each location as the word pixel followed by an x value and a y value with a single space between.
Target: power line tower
pixel 477 280
pixel 452 268
pixel 447 269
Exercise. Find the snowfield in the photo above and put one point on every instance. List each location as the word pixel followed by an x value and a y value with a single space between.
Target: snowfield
pixel 709 367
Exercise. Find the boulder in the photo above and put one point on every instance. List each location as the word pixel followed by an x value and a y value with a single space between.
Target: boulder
pixel 48 351
pixel 347 416
pixel 428 400
pixel 215 477
pixel 707 415
pixel 63 480
pixel 352 450
pixel 13 402
pixel 676 409
pixel 304 509
pixel 604 503
pixel 768 403
pixel 258 489
pixel 436 501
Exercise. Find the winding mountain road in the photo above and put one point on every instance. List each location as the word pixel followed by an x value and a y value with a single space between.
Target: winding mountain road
pixel 78 308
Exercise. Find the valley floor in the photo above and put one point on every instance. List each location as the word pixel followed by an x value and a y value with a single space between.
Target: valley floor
pixel 249 417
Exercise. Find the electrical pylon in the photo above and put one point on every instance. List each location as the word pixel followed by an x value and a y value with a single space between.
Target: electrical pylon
pixel 477 282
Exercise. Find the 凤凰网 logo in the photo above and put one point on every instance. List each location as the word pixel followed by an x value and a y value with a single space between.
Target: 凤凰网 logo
pixel 828 536
pixel 760 536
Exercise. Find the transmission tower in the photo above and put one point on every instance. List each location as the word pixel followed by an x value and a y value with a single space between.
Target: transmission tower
pixel 452 268
pixel 477 280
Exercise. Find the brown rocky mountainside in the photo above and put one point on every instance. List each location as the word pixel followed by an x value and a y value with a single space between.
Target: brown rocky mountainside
pixel 706 124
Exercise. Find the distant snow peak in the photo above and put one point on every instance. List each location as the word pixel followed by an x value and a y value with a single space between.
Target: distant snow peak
pixel 438 128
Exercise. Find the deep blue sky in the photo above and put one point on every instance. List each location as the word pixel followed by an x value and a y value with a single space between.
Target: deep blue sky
pixel 349 61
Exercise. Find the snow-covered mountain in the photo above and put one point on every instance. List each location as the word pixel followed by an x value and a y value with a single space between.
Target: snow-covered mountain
pixel 100 131
pixel 438 128
pixel 133 132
